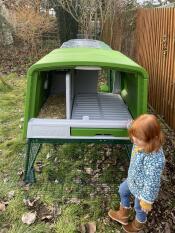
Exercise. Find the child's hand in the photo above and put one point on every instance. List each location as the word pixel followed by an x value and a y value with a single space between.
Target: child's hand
pixel 146 207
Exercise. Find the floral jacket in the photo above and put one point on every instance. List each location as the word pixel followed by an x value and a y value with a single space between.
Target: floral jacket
pixel 144 173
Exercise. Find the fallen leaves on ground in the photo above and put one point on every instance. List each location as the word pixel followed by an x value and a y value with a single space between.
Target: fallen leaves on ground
pixel 89 227
pixel 29 218
pixel 2 207
pixel 31 202
pixel 41 210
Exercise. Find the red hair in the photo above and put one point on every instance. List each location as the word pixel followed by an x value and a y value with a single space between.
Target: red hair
pixel 147 129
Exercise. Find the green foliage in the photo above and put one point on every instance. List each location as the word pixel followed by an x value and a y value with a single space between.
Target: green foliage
pixel 104 88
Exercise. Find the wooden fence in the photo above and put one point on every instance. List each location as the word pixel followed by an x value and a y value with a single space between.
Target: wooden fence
pixel 152 45
pixel 155 50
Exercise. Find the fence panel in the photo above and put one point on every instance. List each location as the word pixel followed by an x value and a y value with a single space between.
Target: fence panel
pixel 155 50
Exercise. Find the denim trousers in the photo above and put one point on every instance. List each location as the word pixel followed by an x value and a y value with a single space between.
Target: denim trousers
pixel 125 194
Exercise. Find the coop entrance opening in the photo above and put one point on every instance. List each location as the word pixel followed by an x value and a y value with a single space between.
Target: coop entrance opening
pixel 77 94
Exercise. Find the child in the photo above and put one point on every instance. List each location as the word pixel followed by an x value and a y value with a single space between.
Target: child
pixel 143 181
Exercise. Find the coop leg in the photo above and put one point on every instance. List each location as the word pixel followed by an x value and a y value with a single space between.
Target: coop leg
pixel 128 148
pixel 31 154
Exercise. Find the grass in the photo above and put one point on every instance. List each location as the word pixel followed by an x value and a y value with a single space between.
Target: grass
pixel 64 180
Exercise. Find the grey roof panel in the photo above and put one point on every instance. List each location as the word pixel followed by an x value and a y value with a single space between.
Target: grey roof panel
pixel 85 43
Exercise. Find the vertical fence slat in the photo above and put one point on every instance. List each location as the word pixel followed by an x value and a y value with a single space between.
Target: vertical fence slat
pixel 172 73
pixel 168 67
pixel 153 43
pixel 163 75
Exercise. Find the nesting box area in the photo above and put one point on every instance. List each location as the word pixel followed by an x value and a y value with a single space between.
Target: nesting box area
pixel 64 98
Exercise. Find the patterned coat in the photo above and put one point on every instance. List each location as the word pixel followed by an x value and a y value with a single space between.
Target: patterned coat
pixel 144 173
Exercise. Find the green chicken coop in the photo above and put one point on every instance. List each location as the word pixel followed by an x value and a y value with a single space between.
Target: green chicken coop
pixel 67 100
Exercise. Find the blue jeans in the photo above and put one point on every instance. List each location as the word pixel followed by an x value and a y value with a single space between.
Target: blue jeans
pixel 125 193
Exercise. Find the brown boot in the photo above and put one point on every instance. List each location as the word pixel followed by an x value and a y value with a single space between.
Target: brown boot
pixel 134 226
pixel 121 215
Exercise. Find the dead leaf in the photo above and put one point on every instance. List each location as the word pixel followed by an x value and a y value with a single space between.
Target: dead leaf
pixel 78 180
pixel 30 202
pixel 39 166
pixel 122 169
pixel 46 217
pixel 93 194
pixel 20 173
pixel 5 203
pixel 90 227
pixel 74 200
pixel 26 187
pixel 167 228
pixel 29 218
pixel 88 170
pixel 11 194
pixel 2 207
pixel 22 119
pixel 6 180
pixel 108 152
pixel 82 228
pixel 48 156
pixel 44 213
pixel 47 213
pixel 5 228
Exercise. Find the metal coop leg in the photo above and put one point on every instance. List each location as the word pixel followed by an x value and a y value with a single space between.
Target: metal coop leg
pixel 31 154
pixel 128 148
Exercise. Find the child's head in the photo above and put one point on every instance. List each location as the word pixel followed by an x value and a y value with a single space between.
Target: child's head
pixel 146 131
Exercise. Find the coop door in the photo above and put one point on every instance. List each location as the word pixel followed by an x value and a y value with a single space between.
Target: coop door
pixel 116 83
pixel 68 96
pixel 53 95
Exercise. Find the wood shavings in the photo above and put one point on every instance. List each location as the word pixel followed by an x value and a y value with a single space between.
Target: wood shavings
pixel 54 107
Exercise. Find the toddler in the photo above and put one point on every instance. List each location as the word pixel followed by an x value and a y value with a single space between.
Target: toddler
pixel 143 181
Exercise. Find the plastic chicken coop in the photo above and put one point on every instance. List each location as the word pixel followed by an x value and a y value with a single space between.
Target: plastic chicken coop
pixel 66 100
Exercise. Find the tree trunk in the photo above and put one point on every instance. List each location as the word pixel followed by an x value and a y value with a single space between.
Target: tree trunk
pixel 5 29
pixel 67 26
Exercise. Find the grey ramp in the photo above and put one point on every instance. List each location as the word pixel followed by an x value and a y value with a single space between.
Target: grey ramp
pixel 100 106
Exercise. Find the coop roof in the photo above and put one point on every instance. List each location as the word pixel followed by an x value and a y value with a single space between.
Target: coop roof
pixel 85 43
pixel 72 54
